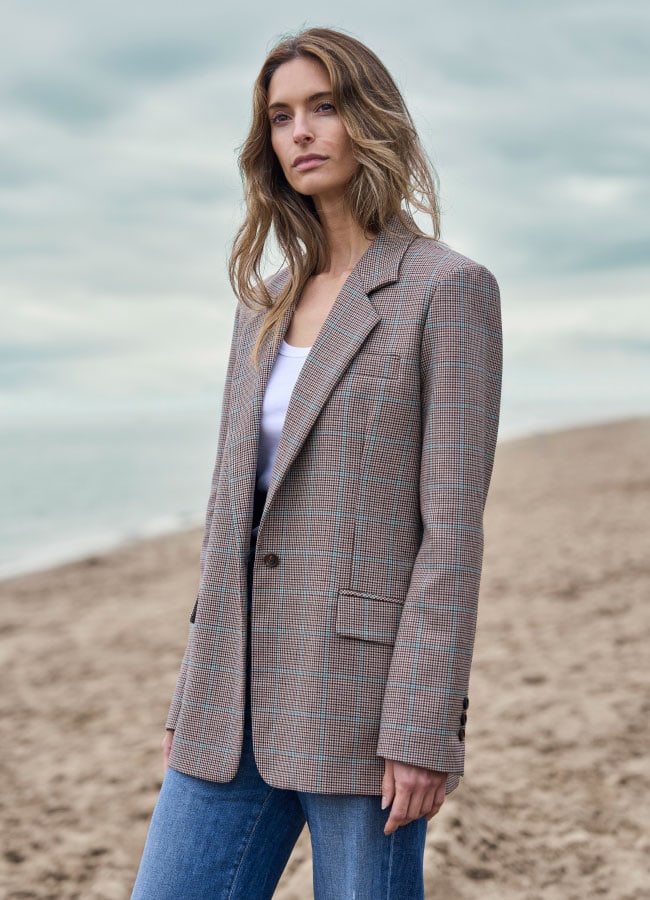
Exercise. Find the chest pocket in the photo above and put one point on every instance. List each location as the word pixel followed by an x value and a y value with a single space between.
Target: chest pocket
pixel 376 365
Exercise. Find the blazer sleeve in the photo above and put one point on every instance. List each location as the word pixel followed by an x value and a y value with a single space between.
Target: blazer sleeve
pixel 175 706
pixel 425 700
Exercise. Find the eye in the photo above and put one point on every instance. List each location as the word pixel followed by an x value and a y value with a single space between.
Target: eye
pixel 326 106
pixel 278 118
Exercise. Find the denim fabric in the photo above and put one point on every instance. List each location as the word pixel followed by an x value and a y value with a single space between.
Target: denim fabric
pixel 212 841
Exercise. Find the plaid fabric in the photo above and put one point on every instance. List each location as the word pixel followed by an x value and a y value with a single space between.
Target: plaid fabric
pixel 369 549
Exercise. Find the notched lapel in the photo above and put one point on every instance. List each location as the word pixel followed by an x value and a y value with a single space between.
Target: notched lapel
pixel 349 322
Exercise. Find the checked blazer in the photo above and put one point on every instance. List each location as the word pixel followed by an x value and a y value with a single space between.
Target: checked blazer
pixel 369 549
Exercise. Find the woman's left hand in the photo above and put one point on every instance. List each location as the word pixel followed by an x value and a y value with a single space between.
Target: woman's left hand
pixel 413 791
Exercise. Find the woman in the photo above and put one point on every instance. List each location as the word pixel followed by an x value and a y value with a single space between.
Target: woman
pixel 325 677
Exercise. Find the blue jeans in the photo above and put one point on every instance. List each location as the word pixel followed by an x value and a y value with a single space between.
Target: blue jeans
pixel 212 841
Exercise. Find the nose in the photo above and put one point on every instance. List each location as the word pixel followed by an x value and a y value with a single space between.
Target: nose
pixel 302 132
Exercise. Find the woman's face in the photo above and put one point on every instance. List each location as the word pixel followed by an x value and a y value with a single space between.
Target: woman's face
pixel 307 135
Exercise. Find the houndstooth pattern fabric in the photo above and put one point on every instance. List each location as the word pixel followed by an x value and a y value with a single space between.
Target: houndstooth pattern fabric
pixel 369 549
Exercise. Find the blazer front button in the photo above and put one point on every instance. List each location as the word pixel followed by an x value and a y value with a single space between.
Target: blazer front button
pixel 271 560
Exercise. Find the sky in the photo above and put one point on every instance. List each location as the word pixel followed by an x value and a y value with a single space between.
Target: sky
pixel 119 188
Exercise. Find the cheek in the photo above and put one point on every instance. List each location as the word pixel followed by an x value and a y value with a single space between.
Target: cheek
pixel 353 165
pixel 277 146
pixel 347 152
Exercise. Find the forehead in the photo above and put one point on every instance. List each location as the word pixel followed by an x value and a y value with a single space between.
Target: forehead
pixel 297 79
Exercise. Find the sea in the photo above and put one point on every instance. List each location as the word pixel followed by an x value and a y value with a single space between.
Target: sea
pixel 74 485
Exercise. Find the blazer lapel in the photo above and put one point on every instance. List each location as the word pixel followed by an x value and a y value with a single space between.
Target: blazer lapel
pixel 246 413
pixel 351 319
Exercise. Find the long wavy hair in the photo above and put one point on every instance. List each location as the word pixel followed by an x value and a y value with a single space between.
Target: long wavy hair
pixel 393 177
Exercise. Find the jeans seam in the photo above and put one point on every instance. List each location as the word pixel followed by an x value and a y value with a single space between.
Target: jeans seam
pixel 390 867
pixel 247 844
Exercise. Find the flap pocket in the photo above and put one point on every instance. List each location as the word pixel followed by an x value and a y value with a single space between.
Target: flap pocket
pixel 377 365
pixel 368 617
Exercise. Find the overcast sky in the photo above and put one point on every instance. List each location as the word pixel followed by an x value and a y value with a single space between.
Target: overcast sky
pixel 119 191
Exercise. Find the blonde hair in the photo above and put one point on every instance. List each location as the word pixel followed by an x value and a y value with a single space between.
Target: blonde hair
pixel 393 176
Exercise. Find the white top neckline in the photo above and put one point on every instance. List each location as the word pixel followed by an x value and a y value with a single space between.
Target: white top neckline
pixel 282 380
pixel 289 350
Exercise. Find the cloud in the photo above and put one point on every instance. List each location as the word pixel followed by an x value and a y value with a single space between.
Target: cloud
pixel 156 60
pixel 67 101
pixel 120 194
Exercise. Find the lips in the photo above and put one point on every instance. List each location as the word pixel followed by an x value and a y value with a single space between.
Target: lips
pixel 310 161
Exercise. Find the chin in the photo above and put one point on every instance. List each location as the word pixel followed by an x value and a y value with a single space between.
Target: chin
pixel 325 190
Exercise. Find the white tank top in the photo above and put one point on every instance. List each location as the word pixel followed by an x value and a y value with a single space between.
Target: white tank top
pixel 282 381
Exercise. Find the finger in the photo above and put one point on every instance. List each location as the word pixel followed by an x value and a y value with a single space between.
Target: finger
pixel 439 799
pixel 434 811
pixel 398 811
pixel 387 785
pixel 416 804
pixel 429 802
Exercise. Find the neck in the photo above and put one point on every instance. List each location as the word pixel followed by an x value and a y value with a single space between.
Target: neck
pixel 345 238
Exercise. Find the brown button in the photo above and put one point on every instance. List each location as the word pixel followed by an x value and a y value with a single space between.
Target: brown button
pixel 271 560
pixel 461 734
pixel 463 718
pixel 465 702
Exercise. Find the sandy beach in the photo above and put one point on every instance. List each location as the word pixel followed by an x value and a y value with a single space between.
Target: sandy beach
pixel 556 798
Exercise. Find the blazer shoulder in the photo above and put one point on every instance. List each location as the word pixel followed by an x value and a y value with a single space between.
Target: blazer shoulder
pixel 430 262
pixel 244 313
pixel 275 282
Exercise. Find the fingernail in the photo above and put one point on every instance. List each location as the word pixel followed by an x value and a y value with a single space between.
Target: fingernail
pixel 384 802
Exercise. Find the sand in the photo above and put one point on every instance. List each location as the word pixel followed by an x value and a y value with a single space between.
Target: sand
pixel 556 798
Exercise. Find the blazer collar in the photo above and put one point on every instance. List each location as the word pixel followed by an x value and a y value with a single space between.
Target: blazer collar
pixel 349 322
pixel 379 265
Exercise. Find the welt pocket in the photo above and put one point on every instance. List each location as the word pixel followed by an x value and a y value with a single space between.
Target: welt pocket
pixel 377 365
pixel 368 617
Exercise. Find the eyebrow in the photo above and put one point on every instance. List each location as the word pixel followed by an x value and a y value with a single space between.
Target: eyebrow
pixel 281 105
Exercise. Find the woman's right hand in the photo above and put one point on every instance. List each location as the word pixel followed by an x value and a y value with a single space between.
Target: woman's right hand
pixel 166 748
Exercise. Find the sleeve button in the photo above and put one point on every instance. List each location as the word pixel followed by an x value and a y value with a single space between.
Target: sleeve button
pixel 461 734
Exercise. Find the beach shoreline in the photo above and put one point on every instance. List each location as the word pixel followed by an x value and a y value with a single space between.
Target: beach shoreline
pixel 77 551
pixel 557 782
